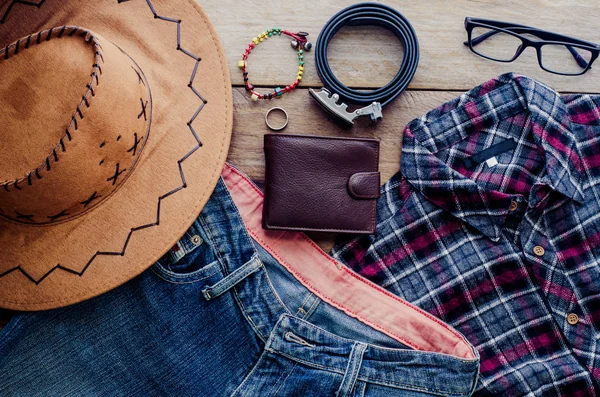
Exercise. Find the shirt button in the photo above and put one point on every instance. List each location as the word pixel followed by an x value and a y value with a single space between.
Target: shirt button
pixel 572 318
pixel 513 206
pixel 539 250
pixel 196 240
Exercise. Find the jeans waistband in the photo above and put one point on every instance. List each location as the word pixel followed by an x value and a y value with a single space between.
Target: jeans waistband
pixel 232 221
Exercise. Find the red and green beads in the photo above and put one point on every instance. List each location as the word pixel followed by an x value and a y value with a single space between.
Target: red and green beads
pixel 299 42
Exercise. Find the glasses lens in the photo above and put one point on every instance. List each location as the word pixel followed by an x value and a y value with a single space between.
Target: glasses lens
pixel 565 59
pixel 494 44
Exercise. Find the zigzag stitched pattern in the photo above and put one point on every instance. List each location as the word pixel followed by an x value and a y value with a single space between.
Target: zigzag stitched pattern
pixel 179 162
pixel 27 3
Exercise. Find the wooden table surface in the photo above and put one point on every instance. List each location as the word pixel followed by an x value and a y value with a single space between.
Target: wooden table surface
pixel 364 57
pixel 369 57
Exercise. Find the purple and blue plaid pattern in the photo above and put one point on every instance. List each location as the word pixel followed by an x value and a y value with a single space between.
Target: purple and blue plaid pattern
pixel 463 243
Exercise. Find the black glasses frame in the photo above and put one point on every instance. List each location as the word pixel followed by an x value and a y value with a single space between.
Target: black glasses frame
pixel 516 30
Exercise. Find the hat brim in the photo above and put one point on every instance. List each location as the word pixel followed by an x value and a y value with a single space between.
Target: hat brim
pixel 50 266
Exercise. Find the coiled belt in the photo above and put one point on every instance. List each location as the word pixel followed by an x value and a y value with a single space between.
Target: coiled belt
pixel 360 15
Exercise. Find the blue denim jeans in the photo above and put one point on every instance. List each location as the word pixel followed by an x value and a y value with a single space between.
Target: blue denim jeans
pixel 232 311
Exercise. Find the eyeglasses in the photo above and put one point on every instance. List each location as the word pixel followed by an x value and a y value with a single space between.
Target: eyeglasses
pixel 504 42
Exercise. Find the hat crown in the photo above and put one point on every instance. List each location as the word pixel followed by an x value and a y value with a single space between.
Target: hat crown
pixel 78 113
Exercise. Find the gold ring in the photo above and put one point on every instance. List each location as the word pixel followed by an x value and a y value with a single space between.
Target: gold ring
pixel 276 128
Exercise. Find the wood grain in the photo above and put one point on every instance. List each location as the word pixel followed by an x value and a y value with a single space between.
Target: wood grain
pixel 307 117
pixel 368 57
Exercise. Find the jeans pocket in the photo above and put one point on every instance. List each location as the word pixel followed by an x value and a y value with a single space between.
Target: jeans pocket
pixel 191 259
pixel 278 375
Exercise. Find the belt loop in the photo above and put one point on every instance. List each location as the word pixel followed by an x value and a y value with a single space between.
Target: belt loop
pixel 250 267
pixel 352 370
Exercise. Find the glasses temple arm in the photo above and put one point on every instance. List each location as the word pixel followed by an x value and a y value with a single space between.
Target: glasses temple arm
pixel 578 58
pixel 479 39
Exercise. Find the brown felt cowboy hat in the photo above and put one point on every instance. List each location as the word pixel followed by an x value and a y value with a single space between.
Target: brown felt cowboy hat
pixel 116 117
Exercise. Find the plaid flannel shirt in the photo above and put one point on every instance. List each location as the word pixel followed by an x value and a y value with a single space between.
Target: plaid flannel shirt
pixel 506 250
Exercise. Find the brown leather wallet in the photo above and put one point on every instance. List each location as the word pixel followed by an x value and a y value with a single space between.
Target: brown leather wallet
pixel 324 184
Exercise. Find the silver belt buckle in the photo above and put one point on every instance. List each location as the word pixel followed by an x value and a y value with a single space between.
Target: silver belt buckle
pixel 331 104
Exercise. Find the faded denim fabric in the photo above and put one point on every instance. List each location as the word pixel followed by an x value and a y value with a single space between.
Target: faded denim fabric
pixel 216 316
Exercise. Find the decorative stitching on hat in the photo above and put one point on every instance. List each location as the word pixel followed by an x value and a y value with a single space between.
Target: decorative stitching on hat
pixel 136 143
pixel 77 114
pixel 143 112
pixel 93 197
pixel 116 175
pixel 14 2
pixel 41 218
pixel 28 217
pixel 161 198
pixel 61 214
pixel 140 80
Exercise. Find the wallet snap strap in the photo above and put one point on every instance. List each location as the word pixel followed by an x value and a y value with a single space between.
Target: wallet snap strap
pixel 364 185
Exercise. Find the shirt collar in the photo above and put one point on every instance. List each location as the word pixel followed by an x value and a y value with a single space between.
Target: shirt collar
pixel 483 107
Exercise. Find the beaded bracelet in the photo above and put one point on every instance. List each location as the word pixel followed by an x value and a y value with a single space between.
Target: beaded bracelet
pixel 300 43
